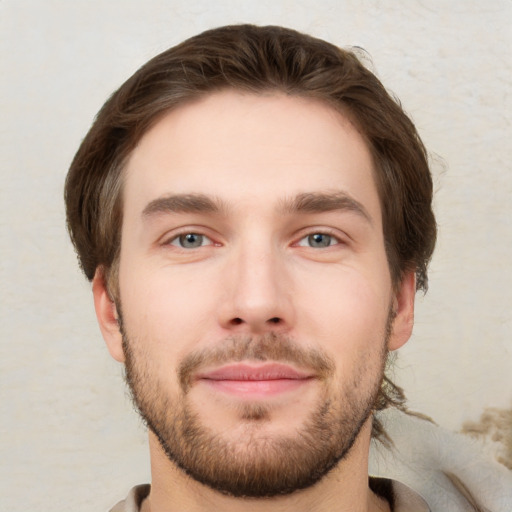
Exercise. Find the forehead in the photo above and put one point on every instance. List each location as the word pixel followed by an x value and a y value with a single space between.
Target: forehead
pixel 247 147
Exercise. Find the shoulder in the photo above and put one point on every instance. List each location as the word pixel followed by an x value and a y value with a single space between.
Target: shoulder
pixel 401 497
pixel 448 469
pixel 133 501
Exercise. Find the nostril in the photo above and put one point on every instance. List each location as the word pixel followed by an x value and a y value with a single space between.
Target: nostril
pixel 239 321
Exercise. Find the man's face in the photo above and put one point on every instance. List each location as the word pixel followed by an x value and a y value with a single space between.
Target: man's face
pixel 256 296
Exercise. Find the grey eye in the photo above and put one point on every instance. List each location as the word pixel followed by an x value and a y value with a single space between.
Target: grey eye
pixel 189 241
pixel 319 240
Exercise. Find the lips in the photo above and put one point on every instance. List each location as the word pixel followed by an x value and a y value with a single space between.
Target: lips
pixel 254 380
pixel 245 372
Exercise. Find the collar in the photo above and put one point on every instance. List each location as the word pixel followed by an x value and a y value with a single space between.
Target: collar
pixel 401 497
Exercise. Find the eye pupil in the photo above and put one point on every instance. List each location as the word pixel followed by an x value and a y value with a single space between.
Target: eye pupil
pixel 191 240
pixel 319 240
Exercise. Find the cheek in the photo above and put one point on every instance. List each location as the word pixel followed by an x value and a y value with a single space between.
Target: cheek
pixel 173 310
pixel 351 328
pixel 347 313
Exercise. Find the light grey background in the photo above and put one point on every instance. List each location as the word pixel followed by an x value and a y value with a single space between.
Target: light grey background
pixel 69 439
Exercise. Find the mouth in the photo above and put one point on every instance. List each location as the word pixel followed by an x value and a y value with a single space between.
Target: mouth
pixel 254 381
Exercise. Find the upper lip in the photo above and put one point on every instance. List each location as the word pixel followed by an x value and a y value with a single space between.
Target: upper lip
pixel 255 372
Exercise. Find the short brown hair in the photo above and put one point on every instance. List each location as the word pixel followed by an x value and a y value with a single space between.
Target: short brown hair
pixel 252 59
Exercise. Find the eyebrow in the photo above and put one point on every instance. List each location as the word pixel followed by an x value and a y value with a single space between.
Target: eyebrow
pixel 312 202
pixel 184 203
pixel 320 202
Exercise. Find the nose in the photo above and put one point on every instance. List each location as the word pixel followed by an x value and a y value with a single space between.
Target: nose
pixel 257 296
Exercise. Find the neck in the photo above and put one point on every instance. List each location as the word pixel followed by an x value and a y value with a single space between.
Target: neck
pixel 343 489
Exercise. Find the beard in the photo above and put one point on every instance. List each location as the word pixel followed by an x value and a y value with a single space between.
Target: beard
pixel 254 463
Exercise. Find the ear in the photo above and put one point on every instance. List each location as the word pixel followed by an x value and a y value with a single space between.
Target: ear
pixel 403 307
pixel 106 313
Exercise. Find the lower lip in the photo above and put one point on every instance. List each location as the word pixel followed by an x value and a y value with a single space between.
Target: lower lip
pixel 256 388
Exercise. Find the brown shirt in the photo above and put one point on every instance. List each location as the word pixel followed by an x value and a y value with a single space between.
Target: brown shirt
pixel 401 497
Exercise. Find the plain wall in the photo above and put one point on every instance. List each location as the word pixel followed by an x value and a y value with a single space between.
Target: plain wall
pixel 69 438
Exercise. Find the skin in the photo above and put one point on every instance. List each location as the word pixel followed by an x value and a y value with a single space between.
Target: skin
pixel 256 272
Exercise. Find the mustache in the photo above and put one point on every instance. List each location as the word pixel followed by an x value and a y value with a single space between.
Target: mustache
pixel 268 347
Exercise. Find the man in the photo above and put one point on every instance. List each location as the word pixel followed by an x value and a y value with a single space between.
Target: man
pixel 254 212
